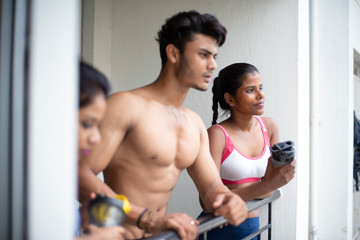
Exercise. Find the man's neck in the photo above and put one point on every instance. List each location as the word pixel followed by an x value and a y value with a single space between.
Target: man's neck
pixel 169 89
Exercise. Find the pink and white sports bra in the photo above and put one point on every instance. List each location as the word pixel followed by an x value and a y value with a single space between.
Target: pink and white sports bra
pixel 236 168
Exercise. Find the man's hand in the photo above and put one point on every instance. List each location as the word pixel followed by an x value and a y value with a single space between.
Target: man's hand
pixel 231 207
pixel 183 224
pixel 277 177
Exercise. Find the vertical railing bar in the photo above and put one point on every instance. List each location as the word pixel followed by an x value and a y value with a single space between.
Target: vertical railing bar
pixel 269 220
pixel 259 235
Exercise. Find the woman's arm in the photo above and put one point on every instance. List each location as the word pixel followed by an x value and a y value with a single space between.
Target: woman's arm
pixel 275 177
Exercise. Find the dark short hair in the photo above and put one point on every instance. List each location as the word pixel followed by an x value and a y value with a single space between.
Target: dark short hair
pixel 229 80
pixel 92 82
pixel 181 27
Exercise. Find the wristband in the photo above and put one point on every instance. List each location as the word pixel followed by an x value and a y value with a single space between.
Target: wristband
pixel 147 223
pixel 140 216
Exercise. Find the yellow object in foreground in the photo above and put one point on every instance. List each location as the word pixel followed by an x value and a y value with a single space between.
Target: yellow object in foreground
pixel 126 204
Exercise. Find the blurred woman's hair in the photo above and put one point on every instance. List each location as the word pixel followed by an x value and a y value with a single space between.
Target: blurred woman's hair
pixel 92 83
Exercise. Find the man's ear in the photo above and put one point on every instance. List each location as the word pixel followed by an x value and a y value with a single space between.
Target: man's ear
pixel 172 53
pixel 229 99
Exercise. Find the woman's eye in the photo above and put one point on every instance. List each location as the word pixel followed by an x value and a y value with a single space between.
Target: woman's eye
pixel 86 125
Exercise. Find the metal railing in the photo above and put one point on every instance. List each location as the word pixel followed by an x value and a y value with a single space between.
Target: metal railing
pixel 209 222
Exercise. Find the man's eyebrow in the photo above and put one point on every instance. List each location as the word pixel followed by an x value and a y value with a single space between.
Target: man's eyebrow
pixel 208 51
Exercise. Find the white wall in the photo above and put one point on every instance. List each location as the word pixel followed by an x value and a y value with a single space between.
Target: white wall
pixel 355 44
pixel 303 163
pixel 97 34
pixel 264 33
pixel 334 160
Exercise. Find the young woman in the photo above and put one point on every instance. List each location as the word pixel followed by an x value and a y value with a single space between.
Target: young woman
pixel 240 145
pixel 92 105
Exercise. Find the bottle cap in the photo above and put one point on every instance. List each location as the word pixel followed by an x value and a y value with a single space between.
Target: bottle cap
pixel 282 153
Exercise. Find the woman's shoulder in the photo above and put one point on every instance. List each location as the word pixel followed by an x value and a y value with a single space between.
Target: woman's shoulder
pixel 269 122
pixel 272 129
pixel 216 130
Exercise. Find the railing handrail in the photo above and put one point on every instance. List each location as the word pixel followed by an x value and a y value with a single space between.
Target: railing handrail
pixel 210 221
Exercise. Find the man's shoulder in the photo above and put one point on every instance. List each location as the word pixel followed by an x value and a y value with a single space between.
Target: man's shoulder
pixel 123 106
pixel 126 98
pixel 192 113
pixel 196 118
pixel 122 95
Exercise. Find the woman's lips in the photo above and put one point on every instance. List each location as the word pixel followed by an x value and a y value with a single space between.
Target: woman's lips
pixel 86 152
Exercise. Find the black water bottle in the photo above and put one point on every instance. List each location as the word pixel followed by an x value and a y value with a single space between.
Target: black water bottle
pixel 282 153
pixel 107 212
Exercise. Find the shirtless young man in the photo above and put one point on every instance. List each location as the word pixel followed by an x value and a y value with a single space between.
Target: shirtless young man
pixel 148 137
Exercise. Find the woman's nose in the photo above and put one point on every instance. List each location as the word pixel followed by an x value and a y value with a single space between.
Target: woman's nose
pixel 260 94
pixel 95 136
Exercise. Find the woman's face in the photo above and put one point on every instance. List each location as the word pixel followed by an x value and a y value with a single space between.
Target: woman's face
pixel 250 97
pixel 90 117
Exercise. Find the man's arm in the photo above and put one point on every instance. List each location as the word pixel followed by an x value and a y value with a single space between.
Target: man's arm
pixel 117 121
pixel 215 196
pixel 112 129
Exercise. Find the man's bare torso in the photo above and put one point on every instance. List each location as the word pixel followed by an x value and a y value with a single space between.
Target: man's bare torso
pixel 158 144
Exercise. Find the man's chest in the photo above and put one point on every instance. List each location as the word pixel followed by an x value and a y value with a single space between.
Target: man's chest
pixel 165 140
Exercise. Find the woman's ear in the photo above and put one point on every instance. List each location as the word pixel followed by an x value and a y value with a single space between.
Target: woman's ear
pixel 229 99
pixel 172 53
